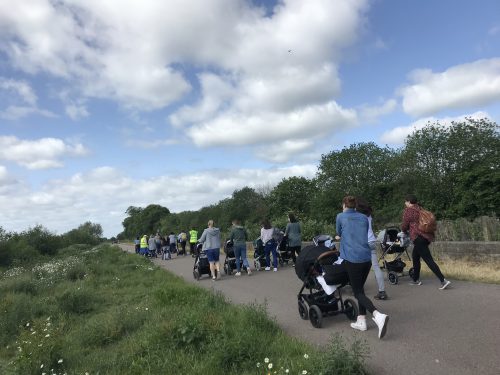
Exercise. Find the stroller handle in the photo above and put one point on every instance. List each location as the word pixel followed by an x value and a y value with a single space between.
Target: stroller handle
pixel 327 254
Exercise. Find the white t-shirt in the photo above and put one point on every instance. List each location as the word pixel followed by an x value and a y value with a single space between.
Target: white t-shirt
pixel 266 234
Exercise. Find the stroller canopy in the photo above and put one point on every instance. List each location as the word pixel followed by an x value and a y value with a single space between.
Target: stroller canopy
pixel 306 259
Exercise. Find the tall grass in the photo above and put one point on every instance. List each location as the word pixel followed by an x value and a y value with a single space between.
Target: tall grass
pixel 103 311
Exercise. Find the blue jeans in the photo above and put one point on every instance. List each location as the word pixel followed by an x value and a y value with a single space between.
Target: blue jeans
pixel 240 251
pixel 269 247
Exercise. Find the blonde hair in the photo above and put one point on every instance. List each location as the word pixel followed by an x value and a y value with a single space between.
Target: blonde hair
pixel 210 223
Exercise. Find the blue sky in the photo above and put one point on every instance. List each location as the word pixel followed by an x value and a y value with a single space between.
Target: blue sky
pixel 104 105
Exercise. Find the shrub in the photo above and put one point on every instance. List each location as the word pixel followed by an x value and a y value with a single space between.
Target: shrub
pixel 76 272
pixel 341 360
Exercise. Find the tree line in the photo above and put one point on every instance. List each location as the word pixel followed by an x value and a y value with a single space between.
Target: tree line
pixel 453 170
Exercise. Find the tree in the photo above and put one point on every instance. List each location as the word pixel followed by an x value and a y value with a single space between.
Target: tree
pixel 143 220
pixel 291 194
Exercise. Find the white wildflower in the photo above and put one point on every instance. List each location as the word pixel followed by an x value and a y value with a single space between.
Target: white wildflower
pixel 47 335
pixel 27 324
pixel 41 366
pixel 287 371
pixel 60 361
pixel 266 360
pixel 306 356
pixel 304 372
pixel 270 366
pixel 258 364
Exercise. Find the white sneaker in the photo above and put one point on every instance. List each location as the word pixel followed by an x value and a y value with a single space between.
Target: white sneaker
pixel 275 269
pixel 249 271
pixel 237 274
pixel 445 284
pixel 381 321
pixel 268 268
pixel 360 325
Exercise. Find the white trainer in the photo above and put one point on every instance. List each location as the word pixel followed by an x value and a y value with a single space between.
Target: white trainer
pixel 381 321
pixel 268 268
pixel 444 284
pixel 237 274
pixel 360 325
pixel 275 269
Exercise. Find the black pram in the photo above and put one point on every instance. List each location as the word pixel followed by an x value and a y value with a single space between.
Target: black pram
pixel 201 265
pixel 394 242
pixel 315 267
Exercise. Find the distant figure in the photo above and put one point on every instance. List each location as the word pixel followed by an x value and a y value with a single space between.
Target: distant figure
pixel 151 245
pixel 193 239
pixel 421 241
pixel 183 240
pixel 144 245
pixel 239 236
pixel 267 237
pixel 173 242
pixel 137 243
pixel 294 236
pixel 210 239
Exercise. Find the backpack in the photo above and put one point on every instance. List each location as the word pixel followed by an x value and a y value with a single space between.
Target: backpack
pixel 183 237
pixel 426 221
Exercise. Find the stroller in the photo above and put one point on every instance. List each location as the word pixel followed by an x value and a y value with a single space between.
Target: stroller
pixel 201 265
pixel 284 253
pixel 315 261
pixel 230 261
pixel 259 257
pixel 394 242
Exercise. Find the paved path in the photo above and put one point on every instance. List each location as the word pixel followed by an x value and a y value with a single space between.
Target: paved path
pixel 450 332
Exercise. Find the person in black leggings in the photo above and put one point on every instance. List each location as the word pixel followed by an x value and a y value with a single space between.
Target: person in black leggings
pixel 352 229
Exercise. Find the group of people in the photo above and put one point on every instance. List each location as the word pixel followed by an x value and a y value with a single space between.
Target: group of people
pixel 357 251
pixel 166 245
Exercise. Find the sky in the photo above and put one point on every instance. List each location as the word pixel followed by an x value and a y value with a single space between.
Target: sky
pixel 118 103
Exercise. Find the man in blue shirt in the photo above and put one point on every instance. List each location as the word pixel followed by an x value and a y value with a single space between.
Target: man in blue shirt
pixel 352 229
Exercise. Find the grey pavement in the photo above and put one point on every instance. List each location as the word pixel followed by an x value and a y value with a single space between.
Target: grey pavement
pixel 454 331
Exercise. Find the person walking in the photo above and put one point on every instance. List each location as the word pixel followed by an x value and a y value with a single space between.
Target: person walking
pixel 210 238
pixel 421 241
pixel 363 207
pixel 352 228
pixel 137 243
pixel 193 239
pixel 182 241
pixel 293 235
pixel 239 236
pixel 144 245
pixel 152 245
pixel 173 242
pixel 267 237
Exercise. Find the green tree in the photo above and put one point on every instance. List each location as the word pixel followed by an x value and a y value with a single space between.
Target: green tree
pixel 291 194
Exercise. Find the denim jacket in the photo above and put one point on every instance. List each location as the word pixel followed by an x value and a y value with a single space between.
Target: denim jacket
pixel 352 227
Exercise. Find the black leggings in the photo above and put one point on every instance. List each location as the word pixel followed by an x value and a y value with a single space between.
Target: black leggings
pixel 294 250
pixel 358 272
pixel 421 250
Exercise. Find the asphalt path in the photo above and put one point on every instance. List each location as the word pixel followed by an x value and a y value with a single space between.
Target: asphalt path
pixel 450 332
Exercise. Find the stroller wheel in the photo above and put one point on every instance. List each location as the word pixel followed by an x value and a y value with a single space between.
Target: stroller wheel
pixel 315 316
pixel 411 272
pixel 196 275
pixel 393 277
pixel 303 310
pixel 256 263
pixel 351 309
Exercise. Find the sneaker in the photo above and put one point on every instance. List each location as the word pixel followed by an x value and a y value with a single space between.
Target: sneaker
pixel 275 269
pixel 360 325
pixel 249 272
pixel 418 282
pixel 445 284
pixel 381 296
pixel 381 321
pixel 213 278
pixel 268 268
pixel 237 274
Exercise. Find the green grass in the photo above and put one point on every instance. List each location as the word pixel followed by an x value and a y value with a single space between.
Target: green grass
pixel 106 312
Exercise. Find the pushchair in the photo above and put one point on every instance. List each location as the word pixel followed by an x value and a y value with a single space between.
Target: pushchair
pixel 259 257
pixel 314 266
pixel 201 266
pixel 284 253
pixel 396 243
pixel 230 260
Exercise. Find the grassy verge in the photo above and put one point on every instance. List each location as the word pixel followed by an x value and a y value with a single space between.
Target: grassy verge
pixel 100 311
pixel 467 270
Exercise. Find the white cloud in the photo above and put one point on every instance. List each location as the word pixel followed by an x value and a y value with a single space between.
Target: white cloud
pixel 43 153
pixel 76 111
pixel 466 85
pixel 398 135
pixel 280 152
pixel 15 112
pixel 238 129
pixel 21 88
pixel 141 54
pixel 103 194
pixel 372 113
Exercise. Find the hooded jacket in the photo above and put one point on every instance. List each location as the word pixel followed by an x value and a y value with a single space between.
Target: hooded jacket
pixel 210 238
pixel 238 235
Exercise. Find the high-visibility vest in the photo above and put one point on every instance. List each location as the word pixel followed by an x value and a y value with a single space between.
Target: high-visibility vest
pixel 193 236
pixel 144 243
